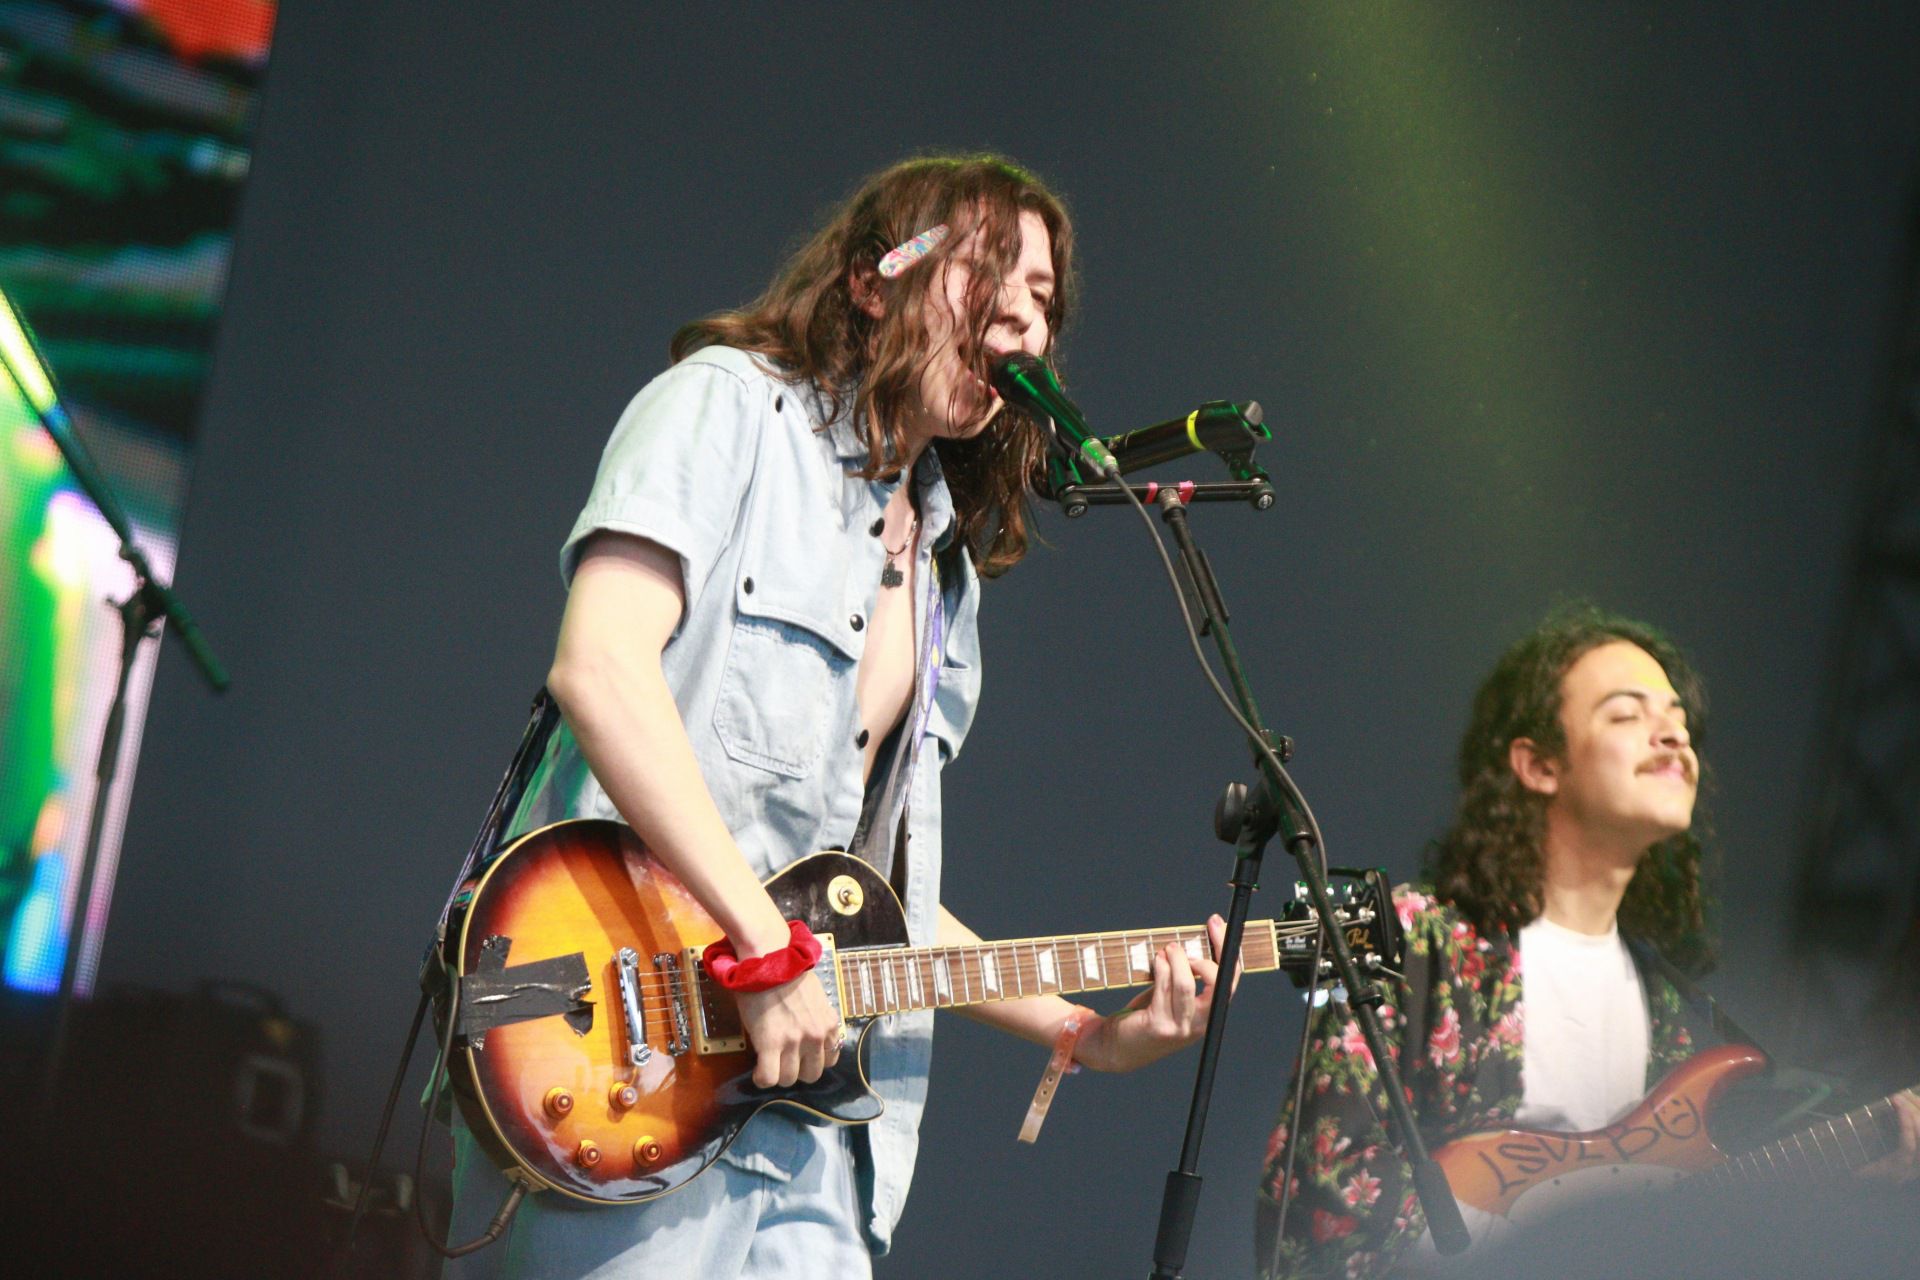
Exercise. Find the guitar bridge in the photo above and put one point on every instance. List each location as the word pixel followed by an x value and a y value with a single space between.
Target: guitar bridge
pixel 639 1052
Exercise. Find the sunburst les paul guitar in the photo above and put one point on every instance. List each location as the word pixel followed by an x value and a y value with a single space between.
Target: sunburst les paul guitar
pixel 595 1058
pixel 1517 1175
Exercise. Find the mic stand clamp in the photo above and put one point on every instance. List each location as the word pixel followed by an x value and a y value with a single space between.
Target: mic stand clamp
pixel 1267 811
pixel 1074 498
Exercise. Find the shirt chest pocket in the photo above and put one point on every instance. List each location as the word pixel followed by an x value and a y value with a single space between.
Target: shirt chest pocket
pixel 788 681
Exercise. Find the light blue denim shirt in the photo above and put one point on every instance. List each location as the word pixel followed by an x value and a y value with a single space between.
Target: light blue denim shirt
pixel 725 464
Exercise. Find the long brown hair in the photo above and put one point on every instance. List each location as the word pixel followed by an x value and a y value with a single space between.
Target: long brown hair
pixel 809 325
pixel 1489 863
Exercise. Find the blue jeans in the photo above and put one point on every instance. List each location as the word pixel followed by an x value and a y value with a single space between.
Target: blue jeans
pixel 781 1202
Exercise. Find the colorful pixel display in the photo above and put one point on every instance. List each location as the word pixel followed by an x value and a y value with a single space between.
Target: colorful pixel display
pixel 125 137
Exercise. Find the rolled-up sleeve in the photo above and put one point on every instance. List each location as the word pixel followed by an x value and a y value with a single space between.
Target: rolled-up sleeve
pixel 677 468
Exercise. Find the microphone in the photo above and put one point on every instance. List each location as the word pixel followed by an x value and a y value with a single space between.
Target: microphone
pixel 1026 381
pixel 1219 426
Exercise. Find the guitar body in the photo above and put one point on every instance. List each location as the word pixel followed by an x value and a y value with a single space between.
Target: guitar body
pixel 1659 1140
pixel 540 1093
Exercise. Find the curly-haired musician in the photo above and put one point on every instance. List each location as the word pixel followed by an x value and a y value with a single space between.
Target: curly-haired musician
pixel 1542 966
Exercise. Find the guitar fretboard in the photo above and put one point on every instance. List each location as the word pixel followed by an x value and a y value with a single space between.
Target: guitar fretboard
pixel 884 980
pixel 1845 1142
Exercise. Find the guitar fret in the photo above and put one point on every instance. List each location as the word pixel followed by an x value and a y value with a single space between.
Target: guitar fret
pixel 914 994
pixel 990 971
pixel 866 986
pixel 1093 973
pixel 887 990
pixel 1886 1127
pixel 1853 1129
pixel 1046 962
pixel 1826 1160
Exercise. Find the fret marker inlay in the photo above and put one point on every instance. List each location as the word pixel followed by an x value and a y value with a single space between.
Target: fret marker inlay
pixel 1092 972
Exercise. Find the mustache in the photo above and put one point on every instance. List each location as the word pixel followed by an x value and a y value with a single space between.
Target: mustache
pixel 1685 759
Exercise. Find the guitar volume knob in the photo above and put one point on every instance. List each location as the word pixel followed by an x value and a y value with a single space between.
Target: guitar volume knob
pixel 622 1096
pixel 558 1103
pixel 587 1154
pixel 646 1150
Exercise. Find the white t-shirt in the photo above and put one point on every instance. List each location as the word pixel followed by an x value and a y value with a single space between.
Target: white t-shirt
pixel 1586 1038
pixel 1585 1017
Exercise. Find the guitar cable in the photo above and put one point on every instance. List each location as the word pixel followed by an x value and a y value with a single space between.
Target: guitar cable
pixel 343 1256
pixel 518 1192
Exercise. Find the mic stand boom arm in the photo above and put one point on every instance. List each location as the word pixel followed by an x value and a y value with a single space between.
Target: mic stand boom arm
pixel 1277 808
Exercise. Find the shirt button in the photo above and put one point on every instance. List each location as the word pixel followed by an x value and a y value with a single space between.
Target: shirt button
pixel 860 739
pixel 747 586
pixel 877 526
pixel 857 622
pixel 779 403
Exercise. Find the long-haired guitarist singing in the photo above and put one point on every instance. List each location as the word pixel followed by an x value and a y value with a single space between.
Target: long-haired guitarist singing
pixel 1572 860
pixel 770 648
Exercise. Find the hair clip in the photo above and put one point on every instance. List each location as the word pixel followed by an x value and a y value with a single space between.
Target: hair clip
pixel 901 257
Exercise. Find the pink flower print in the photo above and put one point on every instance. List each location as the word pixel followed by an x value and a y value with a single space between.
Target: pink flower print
pixel 1361 1191
pixel 1510 1028
pixel 1328 1227
pixel 1354 1044
pixel 1407 904
pixel 1443 1046
pixel 1276 1143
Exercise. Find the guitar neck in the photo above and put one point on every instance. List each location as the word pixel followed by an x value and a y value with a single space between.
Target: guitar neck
pixel 1845 1142
pixel 880 980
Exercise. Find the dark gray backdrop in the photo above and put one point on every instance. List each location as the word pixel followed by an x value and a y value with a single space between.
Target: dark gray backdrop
pixel 1541 301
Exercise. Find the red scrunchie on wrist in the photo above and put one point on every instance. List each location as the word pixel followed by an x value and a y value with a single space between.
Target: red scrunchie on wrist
pixel 763 973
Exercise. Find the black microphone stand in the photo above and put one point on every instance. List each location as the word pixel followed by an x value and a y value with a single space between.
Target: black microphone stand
pixel 1274 808
pixel 149 604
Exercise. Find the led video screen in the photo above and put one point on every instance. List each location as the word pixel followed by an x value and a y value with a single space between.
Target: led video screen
pixel 125 138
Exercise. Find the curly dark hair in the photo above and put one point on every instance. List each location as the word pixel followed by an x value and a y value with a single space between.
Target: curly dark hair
pixel 1489 864
pixel 809 325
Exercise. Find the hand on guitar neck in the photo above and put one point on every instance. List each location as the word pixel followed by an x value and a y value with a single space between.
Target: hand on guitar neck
pixel 1902 1164
pixel 1163 1019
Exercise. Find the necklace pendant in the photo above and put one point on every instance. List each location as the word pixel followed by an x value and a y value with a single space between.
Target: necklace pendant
pixel 891 575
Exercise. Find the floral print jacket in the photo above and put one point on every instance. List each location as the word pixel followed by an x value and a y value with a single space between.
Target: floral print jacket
pixel 1353 1211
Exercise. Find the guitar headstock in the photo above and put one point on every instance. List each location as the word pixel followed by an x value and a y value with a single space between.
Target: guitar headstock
pixel 1363 910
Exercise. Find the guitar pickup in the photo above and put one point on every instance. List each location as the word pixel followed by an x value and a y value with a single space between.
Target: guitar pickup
pixel 716 1020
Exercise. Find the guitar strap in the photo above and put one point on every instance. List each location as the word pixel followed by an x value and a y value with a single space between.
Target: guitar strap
pixel 1703 1006
pixel 541 721
pixel 880 837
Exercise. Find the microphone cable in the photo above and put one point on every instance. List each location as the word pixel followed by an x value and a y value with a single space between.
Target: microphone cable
pixel 1268 1265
